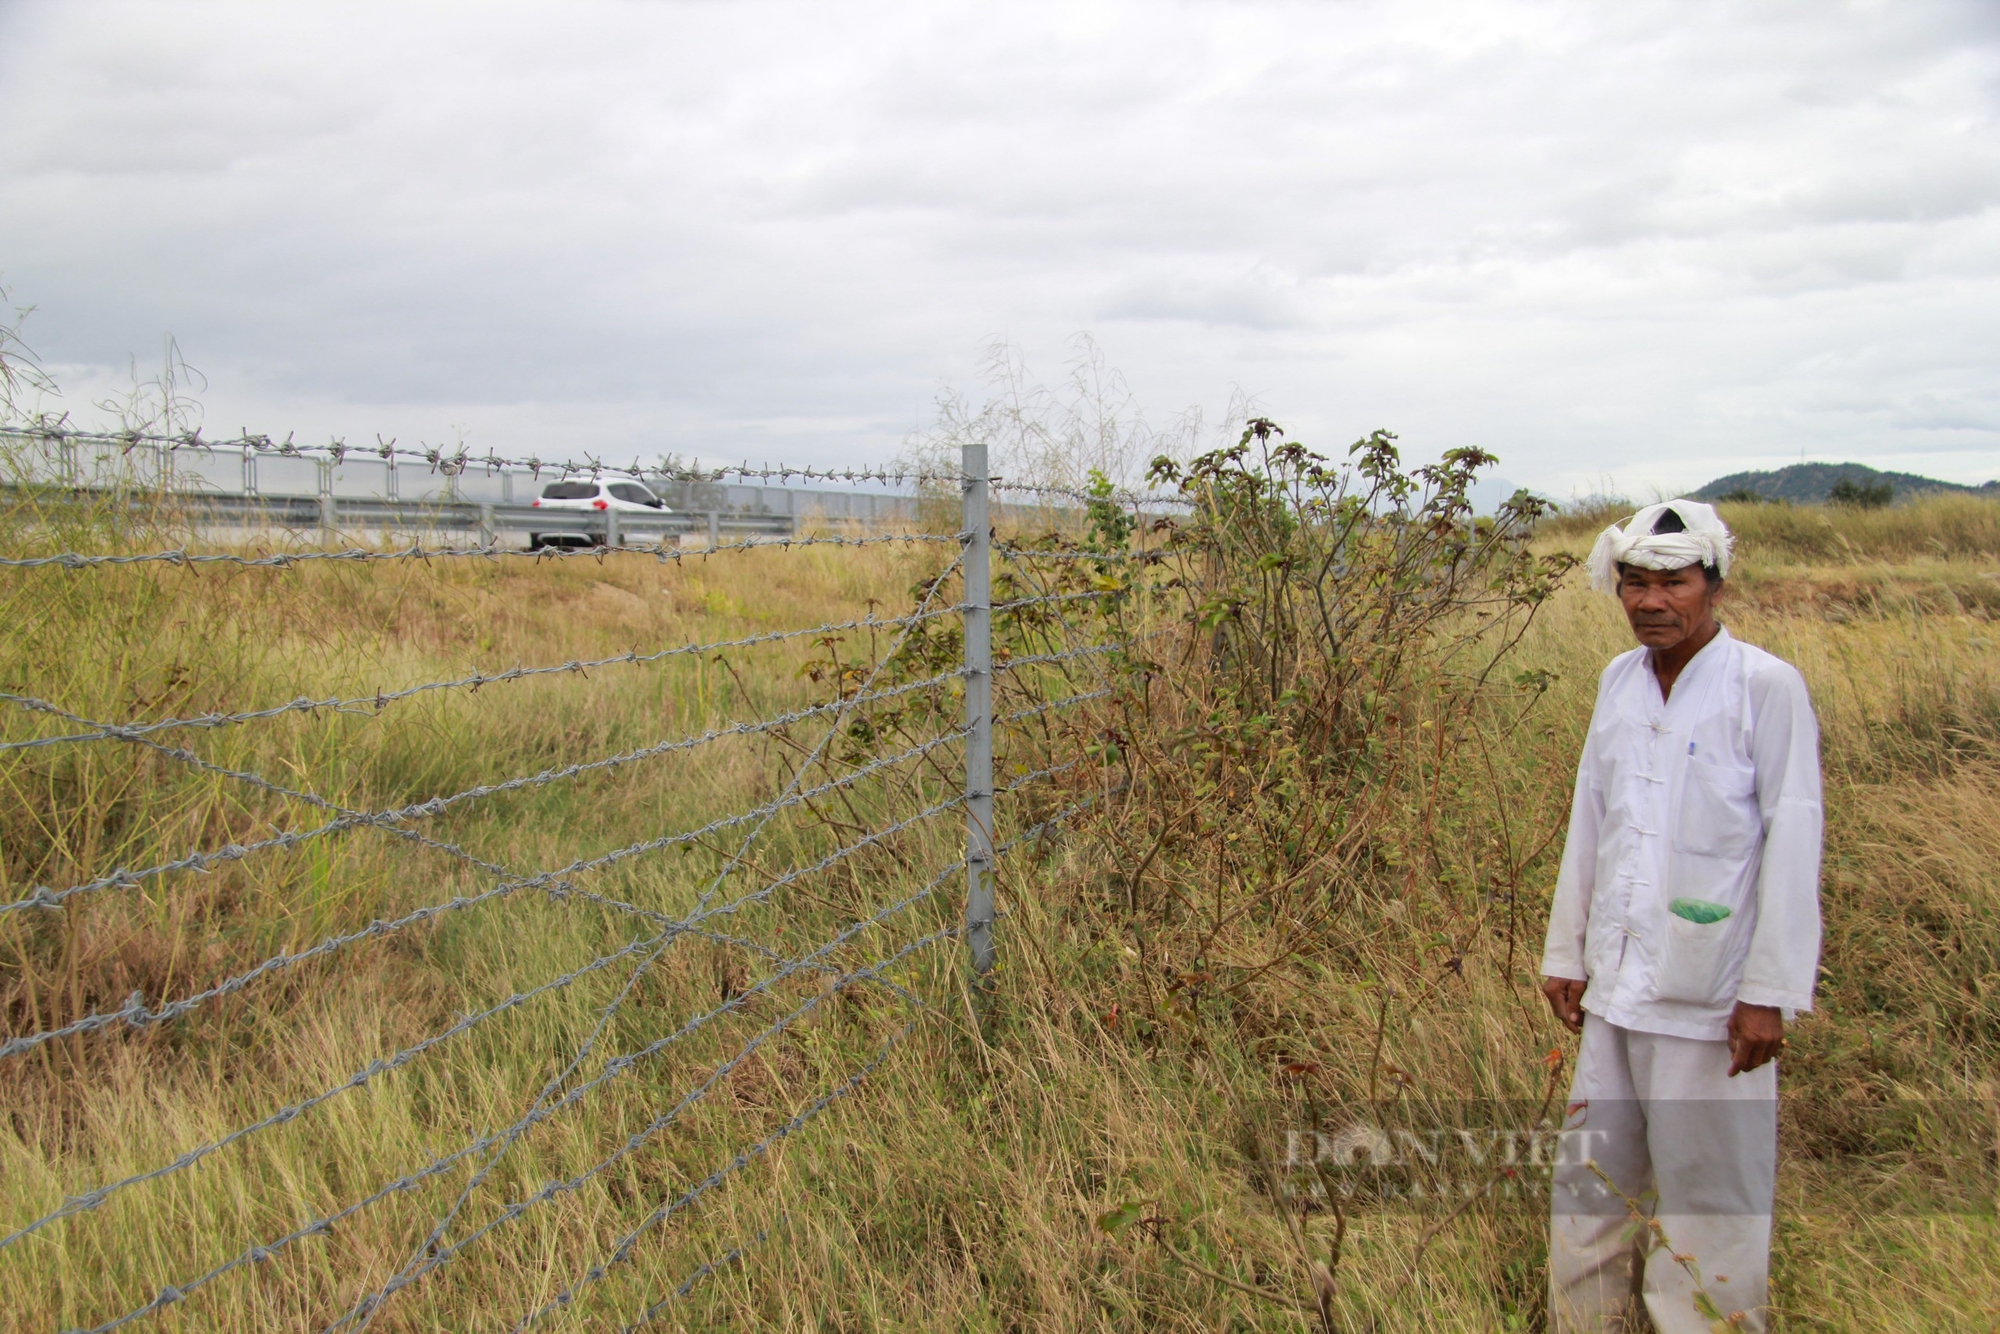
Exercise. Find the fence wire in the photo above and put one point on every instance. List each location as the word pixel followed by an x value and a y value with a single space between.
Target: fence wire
pixel 1118 497
pixel 1017 552
pixel 1046 636
pixel 461 462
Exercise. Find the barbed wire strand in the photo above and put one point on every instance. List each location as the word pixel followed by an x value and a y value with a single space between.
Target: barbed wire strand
pixel 562 890
pixel 93 1198
pixel 735 1253
pixel 1050 706
pixel 1040 581
pixel 459 462
pixel 1021 553
pixel 1066 655
pixel 702 1271
pixel 1119 496
pixel 171 1294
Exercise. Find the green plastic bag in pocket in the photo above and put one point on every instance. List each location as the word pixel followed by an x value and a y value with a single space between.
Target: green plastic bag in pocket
pixel 1698 911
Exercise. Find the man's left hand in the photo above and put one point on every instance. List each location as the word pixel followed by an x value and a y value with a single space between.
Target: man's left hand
pixel 1755 1034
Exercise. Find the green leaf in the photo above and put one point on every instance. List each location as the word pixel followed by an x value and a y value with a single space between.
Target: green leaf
pixel 1116 1221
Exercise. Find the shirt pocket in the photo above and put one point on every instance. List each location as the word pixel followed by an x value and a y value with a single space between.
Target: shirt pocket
pixel 1691 966
pixel 1718 815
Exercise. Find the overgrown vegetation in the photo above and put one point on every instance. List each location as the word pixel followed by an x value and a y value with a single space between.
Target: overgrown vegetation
pixel 1329 788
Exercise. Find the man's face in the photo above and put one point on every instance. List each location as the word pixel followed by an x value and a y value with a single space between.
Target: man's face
pixel 1666 606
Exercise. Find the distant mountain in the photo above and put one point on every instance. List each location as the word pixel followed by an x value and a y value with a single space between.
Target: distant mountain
pixel 1487 494
pixel 1810 483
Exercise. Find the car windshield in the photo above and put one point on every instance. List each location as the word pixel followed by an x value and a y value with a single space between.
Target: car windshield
pixel 635 494
pixel 569 491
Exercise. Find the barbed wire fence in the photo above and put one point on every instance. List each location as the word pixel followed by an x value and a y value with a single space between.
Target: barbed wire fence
pixel 56 432
pixel 1055 664
pixel 436 498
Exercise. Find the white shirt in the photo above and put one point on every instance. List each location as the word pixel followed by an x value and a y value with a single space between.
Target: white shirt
pixel 1712 794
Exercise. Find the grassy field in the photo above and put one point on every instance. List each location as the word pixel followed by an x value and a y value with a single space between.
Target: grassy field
pixel 1094 1145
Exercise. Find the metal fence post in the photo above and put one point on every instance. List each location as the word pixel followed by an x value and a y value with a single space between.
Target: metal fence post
pixel 611 533
pixel 329 518
pixel 714 529
pixel 978 541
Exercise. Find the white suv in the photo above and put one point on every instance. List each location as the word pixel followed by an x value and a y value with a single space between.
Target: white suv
pixel 577 494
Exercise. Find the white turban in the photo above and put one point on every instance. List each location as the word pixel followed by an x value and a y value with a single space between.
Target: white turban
pixel 1705 541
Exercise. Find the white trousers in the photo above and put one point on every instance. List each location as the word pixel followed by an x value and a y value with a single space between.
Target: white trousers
pixel 1697 1151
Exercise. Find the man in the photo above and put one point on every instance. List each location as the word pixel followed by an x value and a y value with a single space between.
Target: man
pixel 1684 933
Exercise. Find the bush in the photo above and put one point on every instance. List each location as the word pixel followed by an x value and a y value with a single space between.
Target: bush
pixel 1861 495
pixel 1284 792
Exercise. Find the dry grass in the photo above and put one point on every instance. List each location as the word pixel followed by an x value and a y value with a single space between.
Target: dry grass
pixel 1773 535
pixel 961 1187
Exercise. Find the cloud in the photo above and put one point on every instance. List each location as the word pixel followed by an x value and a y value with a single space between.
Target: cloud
pixel 1646 241
pixel 1257 299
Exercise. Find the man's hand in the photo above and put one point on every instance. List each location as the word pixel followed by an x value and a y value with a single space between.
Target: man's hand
pixel 1566 999
pixel 1755 1034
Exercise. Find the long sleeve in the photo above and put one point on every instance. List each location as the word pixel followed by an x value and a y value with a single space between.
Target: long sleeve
pixel 1569 914
pixel 1784 949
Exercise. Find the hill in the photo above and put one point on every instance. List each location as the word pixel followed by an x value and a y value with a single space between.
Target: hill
pixel 1811 483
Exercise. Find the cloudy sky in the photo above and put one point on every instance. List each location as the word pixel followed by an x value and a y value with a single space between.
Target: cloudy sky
pixel 1631 244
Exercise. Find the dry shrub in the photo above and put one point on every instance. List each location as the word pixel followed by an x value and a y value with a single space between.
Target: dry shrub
pixel 1304 755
